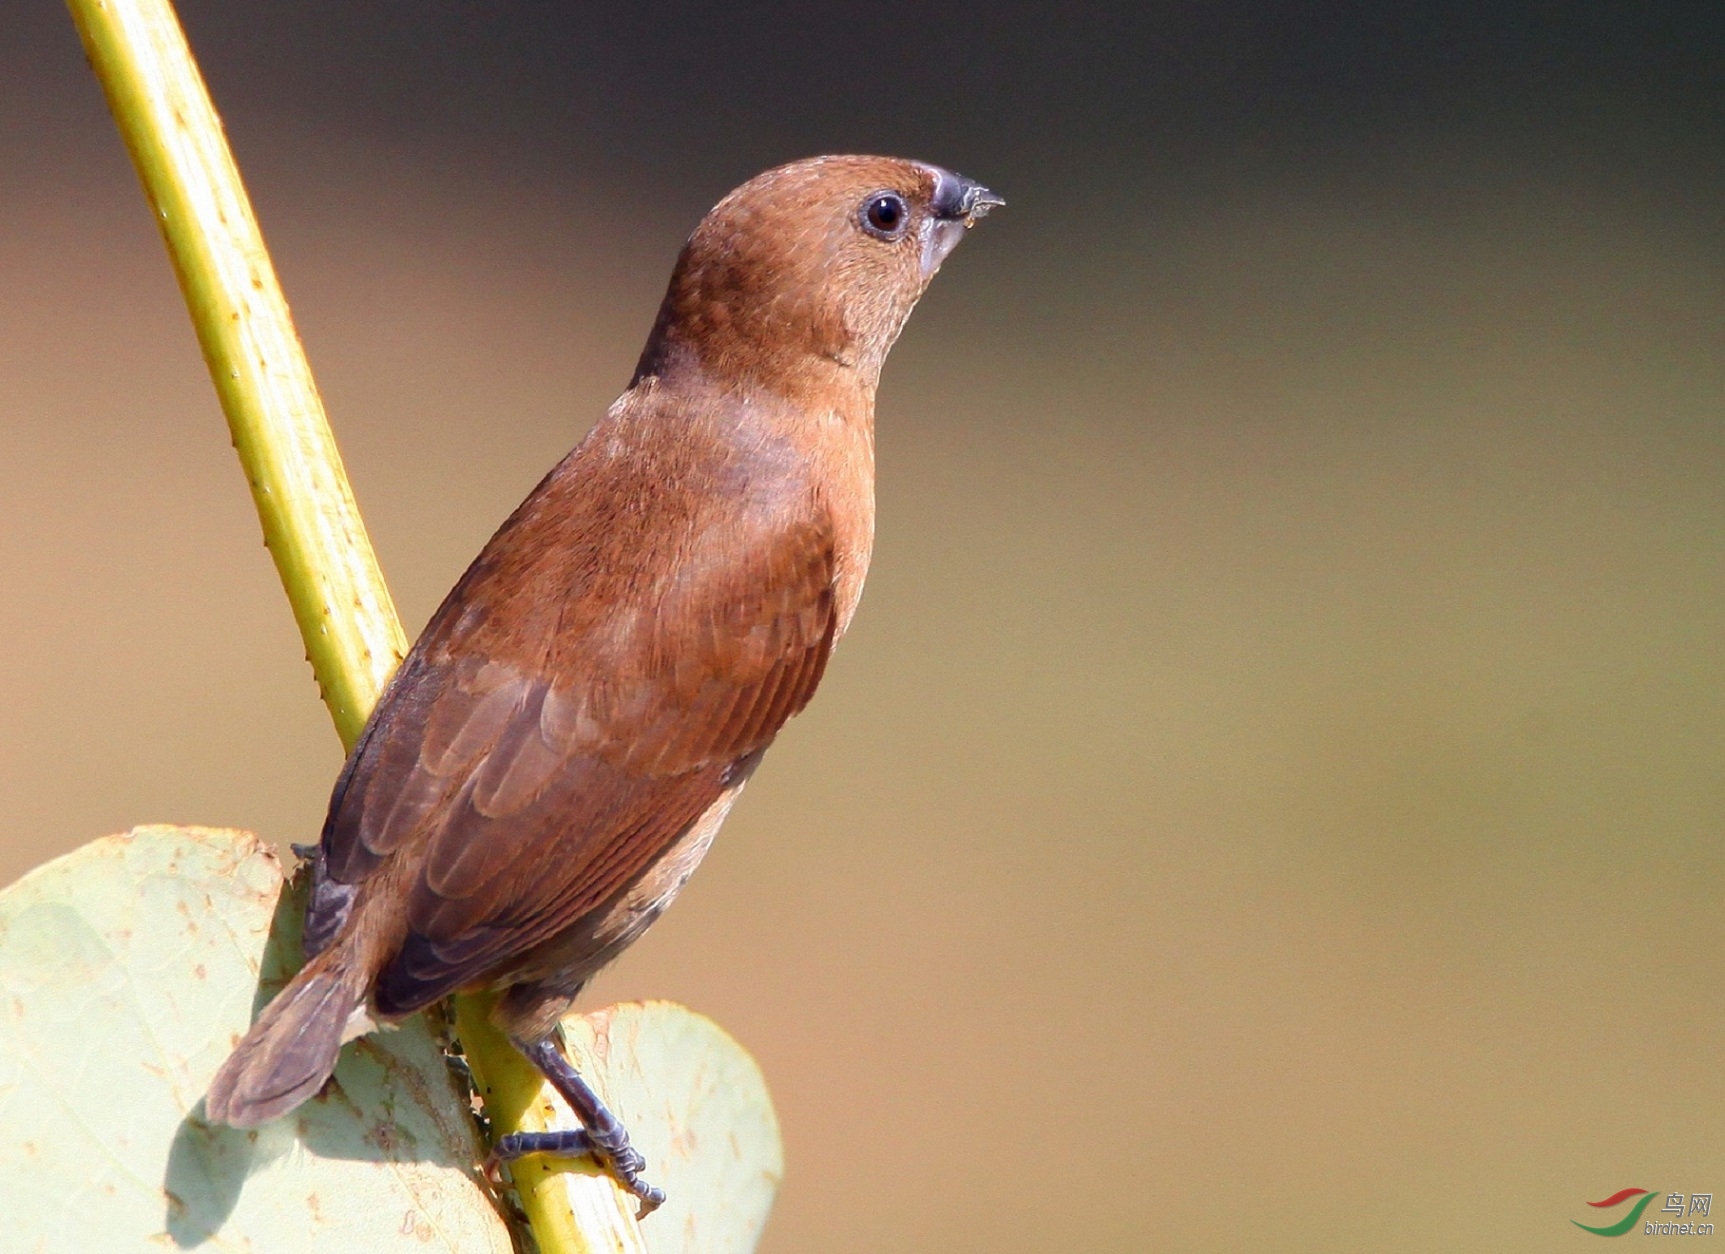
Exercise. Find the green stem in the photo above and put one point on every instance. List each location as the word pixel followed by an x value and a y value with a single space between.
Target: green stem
pixel 578 1221
pixel 311 524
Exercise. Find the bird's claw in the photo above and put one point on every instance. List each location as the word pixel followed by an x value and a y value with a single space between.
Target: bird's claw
pixel 626 1164
pixel 651 1197
pixel 622 1161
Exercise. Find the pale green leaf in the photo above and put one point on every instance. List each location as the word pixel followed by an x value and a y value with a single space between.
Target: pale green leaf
pixel 127 971
pixel 697 1108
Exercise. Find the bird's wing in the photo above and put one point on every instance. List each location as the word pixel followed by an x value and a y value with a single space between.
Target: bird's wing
pixel 534 797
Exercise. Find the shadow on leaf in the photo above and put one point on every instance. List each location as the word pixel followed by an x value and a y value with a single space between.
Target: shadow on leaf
pixel 392 1099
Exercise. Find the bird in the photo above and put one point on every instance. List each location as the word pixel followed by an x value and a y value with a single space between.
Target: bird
pixel 557 751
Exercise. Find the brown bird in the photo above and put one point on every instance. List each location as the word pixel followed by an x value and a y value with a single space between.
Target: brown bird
pixel 555 755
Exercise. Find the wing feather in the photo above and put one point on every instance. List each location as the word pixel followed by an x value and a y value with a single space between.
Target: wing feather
pixel 533 794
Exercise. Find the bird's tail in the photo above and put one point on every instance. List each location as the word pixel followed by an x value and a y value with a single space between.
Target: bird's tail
pixel 291 1049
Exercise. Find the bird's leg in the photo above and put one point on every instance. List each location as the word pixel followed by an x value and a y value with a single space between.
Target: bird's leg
pixel 602 1134
pixel 564 1143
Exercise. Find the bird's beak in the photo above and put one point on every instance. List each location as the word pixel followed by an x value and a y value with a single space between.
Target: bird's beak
pixel 956 206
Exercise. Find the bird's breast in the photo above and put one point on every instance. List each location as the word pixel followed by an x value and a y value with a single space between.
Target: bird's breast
pixel 845 489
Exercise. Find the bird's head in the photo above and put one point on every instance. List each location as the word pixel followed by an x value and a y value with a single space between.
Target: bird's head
pixel 811 269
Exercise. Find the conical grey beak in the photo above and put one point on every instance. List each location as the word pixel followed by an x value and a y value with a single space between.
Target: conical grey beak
pixel 958 197
pixel 957 204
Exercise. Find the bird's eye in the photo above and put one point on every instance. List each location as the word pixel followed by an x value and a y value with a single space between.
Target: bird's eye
pixel 884 214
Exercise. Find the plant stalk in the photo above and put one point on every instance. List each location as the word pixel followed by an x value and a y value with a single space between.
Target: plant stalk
pixel 311 523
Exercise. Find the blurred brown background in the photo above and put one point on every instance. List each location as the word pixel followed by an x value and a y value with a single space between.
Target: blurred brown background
pixel 1272 795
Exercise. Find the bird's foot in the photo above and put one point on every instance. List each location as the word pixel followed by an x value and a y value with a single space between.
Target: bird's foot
pixel 564 1143
pixel 626 1165
pixel 602 1134
pixel 623 1162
